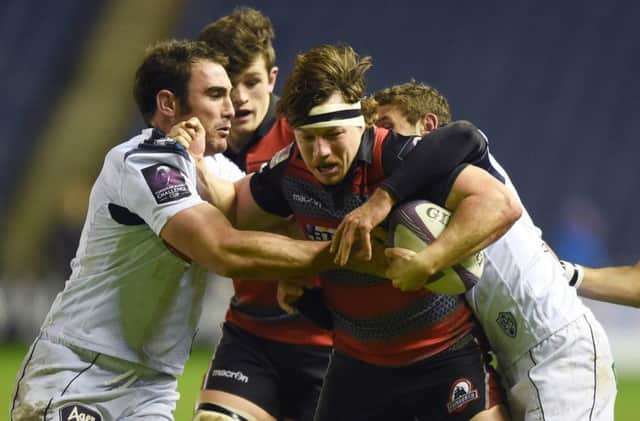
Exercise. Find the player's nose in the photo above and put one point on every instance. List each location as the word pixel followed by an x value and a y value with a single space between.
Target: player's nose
pixel 228 111
pixel 321 148
pixel 239 96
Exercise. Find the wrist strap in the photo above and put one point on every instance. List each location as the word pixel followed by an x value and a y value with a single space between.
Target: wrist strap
pixel 574 273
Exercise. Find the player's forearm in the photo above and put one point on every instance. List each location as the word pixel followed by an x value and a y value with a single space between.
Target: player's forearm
pixel 477 222
pixel 617 285
pixel 258 255
pixel 206 237
pixel 270 256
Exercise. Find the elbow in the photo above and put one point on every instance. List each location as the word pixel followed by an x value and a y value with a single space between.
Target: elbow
pixel 464 126
pixel 514 211
pixel 468 135
pixel 510 210
pixel 464 129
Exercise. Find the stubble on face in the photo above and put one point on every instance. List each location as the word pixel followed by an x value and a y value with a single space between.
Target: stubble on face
pixel 208 97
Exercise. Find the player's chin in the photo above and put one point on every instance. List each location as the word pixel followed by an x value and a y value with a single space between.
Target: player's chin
pixel 244 126
pixel 328 181
pixel 328 178
pixel 217 144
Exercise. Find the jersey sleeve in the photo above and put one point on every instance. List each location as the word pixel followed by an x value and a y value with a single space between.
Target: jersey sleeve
pixel 427 167
pixel 267 184
pixel 157 183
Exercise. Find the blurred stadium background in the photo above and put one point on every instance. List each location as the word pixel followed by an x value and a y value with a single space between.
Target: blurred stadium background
pixel 553 84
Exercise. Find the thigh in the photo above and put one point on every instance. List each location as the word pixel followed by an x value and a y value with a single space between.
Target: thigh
pixel 353 390
pixel 242 371
pixel 457 386
pixel 59 383
pixel 569 376
pixel 48 372
pixel 302 368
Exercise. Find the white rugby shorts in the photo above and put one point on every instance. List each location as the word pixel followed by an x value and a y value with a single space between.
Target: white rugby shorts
pixel 567 377
pixel 58 383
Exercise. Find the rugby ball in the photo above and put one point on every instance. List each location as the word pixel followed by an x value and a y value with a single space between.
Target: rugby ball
pixel 416 224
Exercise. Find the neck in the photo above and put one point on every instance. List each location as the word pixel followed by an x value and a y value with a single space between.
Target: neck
pixel 237 141
pixel 161 124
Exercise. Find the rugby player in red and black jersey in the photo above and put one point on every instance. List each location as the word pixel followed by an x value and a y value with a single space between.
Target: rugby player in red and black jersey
pixel 397 355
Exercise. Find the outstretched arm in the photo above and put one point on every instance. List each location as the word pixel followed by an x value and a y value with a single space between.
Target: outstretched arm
pixel 613 284
pixel 203 234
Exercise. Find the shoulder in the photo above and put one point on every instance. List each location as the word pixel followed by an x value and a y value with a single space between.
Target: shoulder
pixel 154 142
pixel 396 146
pixel 154 149
pixel 278 137
pixel 281 157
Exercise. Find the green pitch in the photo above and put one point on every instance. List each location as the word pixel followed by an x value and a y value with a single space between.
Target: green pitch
pixel 627 406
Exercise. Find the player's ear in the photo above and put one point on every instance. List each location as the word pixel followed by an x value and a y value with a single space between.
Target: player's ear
pixel 429 123
pixel 166 103
pixel 273 75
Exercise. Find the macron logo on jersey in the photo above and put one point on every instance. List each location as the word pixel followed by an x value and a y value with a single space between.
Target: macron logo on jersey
pixel 166 183
pixel 76 412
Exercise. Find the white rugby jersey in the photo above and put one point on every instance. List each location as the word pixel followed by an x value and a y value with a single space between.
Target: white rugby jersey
pixel 522 296
pixel 127 296
pixel 223 167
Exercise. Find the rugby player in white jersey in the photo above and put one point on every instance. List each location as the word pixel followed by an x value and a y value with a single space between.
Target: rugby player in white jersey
pixel 553 354
pixel 119 334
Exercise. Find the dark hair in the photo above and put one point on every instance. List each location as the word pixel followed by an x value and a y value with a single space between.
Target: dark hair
pixel 414 100
pixel 242 35
pixel 319 73
pixel 167 65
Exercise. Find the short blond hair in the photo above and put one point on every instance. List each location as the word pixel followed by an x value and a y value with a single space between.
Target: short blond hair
pixel 414 100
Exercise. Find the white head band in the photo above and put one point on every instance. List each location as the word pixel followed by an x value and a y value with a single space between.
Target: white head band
pixel 332 115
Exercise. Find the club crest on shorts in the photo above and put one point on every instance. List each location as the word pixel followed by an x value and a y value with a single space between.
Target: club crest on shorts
pixel 166 183
pixel 78 412
pixel 507 323
pixel 462 393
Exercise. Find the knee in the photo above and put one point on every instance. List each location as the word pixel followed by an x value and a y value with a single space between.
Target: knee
pixel 211 416
pixel 211 412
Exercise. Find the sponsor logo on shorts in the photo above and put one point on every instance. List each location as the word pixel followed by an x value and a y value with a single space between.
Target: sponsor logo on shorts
pixel 166 183
pixel 77 412
pixel 508 324
pixel 462 393
pixel 236 375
